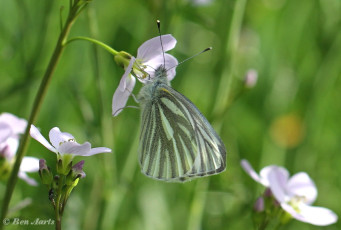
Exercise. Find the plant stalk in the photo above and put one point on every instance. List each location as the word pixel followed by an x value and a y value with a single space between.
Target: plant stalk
pixel 73 13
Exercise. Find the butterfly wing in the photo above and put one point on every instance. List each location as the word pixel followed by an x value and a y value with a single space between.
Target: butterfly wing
pixel 177 142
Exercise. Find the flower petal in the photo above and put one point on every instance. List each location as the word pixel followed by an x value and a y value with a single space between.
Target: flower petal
pixel 98 150
pixel 74 148
pixel 18 125
pixel 5 131
pixel 120 97
pixel 171 64
pixel 264 173
pixel 302 185
pixel 29 180
pixel 278 180
pixel 37 135
pixel 310 214
pixel 29 164
pixel 152 48
pixel 57 137
pixel 123 82
pixel 252 173
pixel 10 147
pixel 119 101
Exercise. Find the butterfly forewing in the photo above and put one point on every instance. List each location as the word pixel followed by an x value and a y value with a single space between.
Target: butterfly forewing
pixel 177 143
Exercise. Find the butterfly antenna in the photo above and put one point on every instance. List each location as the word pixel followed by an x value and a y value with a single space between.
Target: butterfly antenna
pixel 163 52
pixel 207 49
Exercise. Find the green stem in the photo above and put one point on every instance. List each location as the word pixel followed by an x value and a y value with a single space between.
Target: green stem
pixel 103 45
pixel 58 225
pixel 57 205
pixel 264 224
pixel 97 195
pixel 73 13
pixel 118 194
pixel 198 204
pixel 224 94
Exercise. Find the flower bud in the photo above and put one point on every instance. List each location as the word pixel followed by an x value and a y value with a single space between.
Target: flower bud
pixel 251 78
pixel 60 166
pixel 64 164
pixel 77 169
pixel 259 213
pixel 270 199
pixel 259 204
pixel 268 193
pixel 55 182
pixel 45 173
pixel 75 173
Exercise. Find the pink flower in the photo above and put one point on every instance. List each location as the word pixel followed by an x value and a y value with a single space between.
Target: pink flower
pixel 65 144
pixel 295 194
pixel 10 129
pixel 251 78
pixel 149 58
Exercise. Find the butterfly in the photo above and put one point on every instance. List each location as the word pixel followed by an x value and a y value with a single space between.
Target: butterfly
pixel 177 143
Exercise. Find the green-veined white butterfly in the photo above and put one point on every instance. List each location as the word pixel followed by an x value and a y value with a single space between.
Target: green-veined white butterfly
pixel 177 143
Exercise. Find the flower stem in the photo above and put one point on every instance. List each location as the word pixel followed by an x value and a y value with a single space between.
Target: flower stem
pixel 115 200
pixel 75 8
pixel 58 207
pixel 224 95
pixel 105 46
pixel 58 225
pixel 198 204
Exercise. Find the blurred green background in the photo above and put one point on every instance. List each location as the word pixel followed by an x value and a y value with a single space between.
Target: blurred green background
pixel 291 117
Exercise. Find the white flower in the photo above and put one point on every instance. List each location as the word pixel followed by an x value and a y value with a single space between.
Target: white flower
pixel 28 165
pixel 10 128
pixel 295 194
pixel 149 58
pixel 65 143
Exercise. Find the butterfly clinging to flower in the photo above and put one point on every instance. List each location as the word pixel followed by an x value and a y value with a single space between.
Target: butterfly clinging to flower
pixel 177 143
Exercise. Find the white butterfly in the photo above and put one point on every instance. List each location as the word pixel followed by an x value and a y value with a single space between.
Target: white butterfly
pixel 177 142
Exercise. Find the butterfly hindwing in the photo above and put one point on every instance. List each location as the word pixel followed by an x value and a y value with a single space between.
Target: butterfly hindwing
pixel 177 142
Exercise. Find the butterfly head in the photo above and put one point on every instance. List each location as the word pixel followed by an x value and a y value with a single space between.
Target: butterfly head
pixel 161 72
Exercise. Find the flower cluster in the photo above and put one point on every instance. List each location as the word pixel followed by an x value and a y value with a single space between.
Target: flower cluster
pixel 10 129
pixel 294 194
pixel 66 147
pixel 68 174
pixel 149 57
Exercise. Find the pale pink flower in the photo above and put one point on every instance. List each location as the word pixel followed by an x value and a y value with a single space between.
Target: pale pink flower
pixel 10 129
pixel 65 143
pixel 149 58
pixel 295 194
